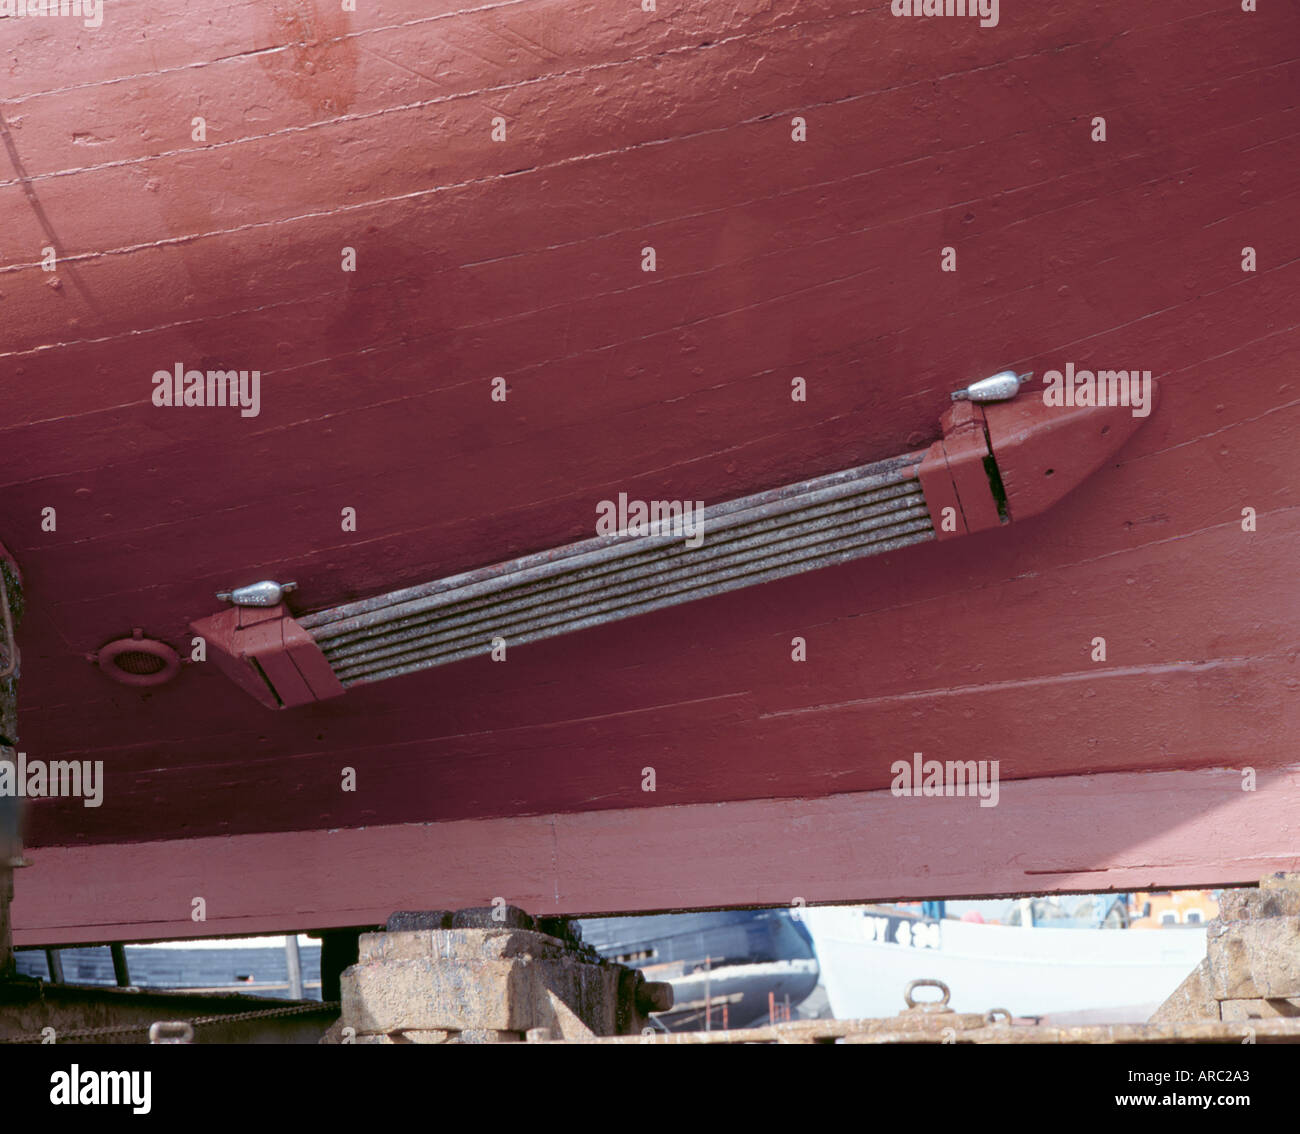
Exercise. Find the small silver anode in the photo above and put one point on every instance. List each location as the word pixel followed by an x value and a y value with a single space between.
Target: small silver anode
pixel 1000 387
pixel 265 593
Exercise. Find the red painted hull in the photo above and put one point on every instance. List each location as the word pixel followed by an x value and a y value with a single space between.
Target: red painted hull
pixel 522 259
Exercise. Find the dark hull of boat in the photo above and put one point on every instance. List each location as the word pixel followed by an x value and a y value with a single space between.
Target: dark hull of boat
pixel 748 960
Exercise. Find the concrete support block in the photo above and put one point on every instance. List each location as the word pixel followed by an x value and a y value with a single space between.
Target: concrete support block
pixel 1251 960
pixel 428 994
pixel 478 977
pixel 460 945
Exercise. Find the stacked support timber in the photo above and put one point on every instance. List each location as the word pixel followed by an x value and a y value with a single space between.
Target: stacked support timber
pixel 1251 969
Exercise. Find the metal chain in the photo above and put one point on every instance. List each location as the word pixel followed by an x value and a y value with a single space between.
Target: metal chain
pixel 197 1022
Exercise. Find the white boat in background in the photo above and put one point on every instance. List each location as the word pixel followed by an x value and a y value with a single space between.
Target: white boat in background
pixel 868 954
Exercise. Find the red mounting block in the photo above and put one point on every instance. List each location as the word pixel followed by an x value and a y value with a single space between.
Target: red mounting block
pixel 1004 461
pixel 265 652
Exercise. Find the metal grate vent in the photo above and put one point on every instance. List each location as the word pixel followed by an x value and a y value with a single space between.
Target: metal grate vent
pixel 138 660
pixel 138 663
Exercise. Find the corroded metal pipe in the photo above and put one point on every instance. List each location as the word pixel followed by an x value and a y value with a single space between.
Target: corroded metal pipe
pixel 751 540
pixel 350 616
pixel 736 547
